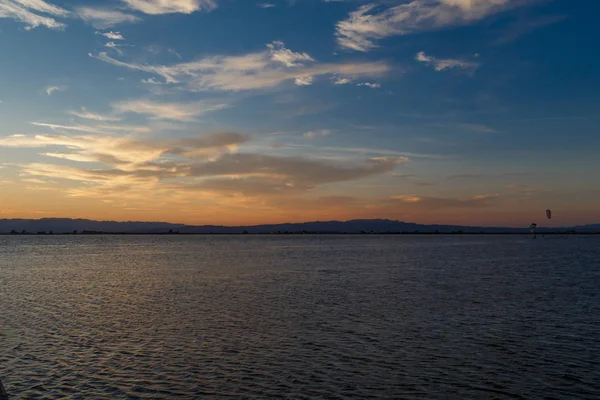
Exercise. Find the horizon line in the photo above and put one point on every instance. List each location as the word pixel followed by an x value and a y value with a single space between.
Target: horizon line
pixel 524 226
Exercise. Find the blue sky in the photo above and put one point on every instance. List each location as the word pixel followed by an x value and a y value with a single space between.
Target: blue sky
pixel 230 111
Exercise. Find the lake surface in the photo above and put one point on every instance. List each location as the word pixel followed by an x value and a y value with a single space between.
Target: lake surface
pixel 402 317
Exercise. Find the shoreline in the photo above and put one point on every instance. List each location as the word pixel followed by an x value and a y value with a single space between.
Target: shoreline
pixel 551 233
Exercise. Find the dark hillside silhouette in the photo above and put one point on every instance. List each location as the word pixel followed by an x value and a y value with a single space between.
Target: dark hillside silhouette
pixel 363 226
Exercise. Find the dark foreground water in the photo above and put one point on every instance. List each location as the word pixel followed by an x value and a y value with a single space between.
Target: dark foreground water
pixel 395 317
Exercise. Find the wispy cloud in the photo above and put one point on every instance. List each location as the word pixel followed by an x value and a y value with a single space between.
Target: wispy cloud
pixel 441 64
pixel 524 26
pixel 313 134
pixel 346 80
pixel 294 171
pixel 280 54
pixel 439 202
pixel 342 80
pixel 304 80
pixel 102 18
pixel 522 190
pixel 156 7
pixel 128 128
pixel 487 176
pixel 186 112
pixel 51 89
pixel 79 128
pixel 370 22
pixel 412 178
pixel 115 47
pixel 111 35
pixel 26 11
pixel 175 53
pixel 95 117
pixel 371 85
pixel 471 127
pixel 151 81
pixel 43 7
pixel 205 164
pixel 260 70
pixel 481 128
pixel 102 128
pixel 265 5
pixel 404 176
pixel 132 154
pixel 369 152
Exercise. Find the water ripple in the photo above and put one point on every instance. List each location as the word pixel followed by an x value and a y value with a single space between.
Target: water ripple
pixel 310 317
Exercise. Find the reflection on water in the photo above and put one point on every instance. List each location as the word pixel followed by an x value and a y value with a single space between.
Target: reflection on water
pixel 441 317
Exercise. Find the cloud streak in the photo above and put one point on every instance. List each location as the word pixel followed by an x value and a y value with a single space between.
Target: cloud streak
pixel 112 35
pixel 437 202
pixel 52 89
pixel 158 7
pixel 134 153
pixel 370 23
pixel 313 134
pixel 95 117
pixel 26 11
pixel 261 70
pixel 185 112
pixel 205 163
pixel 370 85
pixel 103 18
pixel 297 173
pixel 442 64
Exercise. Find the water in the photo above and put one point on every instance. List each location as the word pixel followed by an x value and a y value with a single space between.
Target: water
pixel 403 317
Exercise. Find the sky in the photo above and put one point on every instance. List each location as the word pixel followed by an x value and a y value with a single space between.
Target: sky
pixel 479 112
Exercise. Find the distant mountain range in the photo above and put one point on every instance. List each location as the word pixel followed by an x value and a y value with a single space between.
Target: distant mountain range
pixel 67 225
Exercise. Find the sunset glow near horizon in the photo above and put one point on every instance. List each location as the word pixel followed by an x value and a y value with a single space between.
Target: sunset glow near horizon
pixel 471 112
